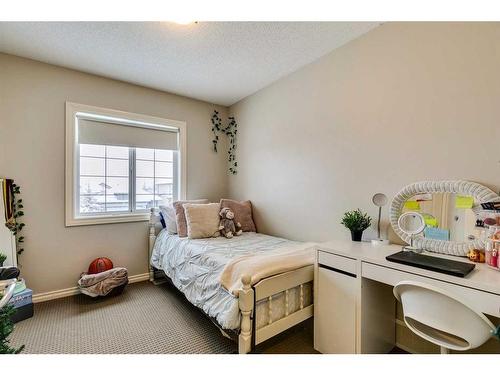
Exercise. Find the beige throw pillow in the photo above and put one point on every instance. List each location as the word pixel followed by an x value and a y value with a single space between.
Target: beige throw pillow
pixel 180 217
pixel 242 213
pixel 202 220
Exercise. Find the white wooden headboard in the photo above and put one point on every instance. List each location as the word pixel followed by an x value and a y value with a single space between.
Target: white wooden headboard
pixel 155 220
pixel 154 227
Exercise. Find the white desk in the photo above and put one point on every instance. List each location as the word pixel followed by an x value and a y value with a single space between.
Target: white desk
pixel 354 305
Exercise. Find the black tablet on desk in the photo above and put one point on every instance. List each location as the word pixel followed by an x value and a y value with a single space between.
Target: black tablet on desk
pixel 447 266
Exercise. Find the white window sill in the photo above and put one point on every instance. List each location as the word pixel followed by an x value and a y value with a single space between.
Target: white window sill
pixel 107 219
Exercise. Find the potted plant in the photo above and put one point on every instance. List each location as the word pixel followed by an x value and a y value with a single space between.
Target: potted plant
pixel 6 328
pixel 3 257
pixel 356 221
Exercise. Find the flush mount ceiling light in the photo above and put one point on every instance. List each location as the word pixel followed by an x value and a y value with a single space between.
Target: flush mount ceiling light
pixel 183 21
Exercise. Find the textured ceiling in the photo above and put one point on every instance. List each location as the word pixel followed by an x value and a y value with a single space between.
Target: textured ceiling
pixel 218 62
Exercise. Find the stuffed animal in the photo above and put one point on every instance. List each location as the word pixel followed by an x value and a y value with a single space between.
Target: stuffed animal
pixel 227 226
pixel 476 256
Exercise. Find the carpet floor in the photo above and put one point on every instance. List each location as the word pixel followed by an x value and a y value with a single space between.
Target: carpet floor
pixel 143 319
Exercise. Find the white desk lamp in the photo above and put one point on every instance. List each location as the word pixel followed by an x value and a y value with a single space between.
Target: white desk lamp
pixel 412 224
pixel 379 200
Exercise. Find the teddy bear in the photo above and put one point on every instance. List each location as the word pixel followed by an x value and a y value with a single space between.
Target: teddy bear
pixel 476 256
pixel 227 226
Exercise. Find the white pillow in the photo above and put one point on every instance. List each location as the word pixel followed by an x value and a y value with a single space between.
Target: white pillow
pixel 202 219
pixel 168 213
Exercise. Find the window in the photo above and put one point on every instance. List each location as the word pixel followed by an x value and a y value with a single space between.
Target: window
pixel 105 179
pixel 120 165
pixel 154 182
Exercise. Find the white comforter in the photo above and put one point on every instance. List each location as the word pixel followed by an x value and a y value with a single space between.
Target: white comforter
pixel 196 266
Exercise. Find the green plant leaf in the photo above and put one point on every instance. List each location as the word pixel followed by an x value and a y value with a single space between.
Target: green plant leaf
pixel 356 220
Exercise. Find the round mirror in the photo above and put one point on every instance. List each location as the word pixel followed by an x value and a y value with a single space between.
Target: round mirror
pixel 411 223
pixel 379 200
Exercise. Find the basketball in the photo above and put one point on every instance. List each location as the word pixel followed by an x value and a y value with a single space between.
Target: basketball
pixel 100 265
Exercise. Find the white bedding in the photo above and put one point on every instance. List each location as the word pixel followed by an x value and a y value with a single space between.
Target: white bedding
pixel 195 268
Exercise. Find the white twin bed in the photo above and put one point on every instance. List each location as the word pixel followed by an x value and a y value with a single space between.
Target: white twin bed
pixel 253 286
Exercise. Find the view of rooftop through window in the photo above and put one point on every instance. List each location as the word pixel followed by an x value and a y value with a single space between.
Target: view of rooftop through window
pixel 117 179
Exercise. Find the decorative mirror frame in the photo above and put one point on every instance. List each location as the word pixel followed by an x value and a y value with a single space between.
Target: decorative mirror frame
pixel 481 194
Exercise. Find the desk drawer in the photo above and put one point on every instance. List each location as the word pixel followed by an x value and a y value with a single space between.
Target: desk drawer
pixel 486 302
pixel 338 262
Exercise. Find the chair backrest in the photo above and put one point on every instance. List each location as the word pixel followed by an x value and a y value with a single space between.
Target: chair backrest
pixel 441 318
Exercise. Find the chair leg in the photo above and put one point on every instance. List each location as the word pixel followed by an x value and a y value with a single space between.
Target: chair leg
pixel 445 350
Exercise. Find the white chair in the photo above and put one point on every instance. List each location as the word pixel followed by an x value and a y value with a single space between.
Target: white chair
pixel 434 315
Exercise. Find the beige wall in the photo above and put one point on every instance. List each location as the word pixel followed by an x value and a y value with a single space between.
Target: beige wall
pixel 32 97
pixel 404 102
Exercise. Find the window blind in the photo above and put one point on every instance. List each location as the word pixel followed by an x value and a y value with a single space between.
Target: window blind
pixel 99 132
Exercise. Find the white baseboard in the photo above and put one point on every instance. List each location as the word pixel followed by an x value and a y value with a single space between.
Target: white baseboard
pixel 47 296
pixel 137 278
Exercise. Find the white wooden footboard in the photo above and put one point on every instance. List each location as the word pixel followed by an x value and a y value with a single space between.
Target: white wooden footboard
pixel 265 290
pixel 246 304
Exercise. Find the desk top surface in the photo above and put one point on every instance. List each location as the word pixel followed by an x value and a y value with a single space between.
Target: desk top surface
pixel 482 277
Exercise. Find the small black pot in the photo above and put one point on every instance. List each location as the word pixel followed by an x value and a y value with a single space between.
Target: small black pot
pixel 356 235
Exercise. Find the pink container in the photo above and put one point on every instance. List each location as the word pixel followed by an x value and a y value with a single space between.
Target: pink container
pixel 491 254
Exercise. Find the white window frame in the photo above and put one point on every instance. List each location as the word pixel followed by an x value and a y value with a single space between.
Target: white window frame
pixel 72 152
